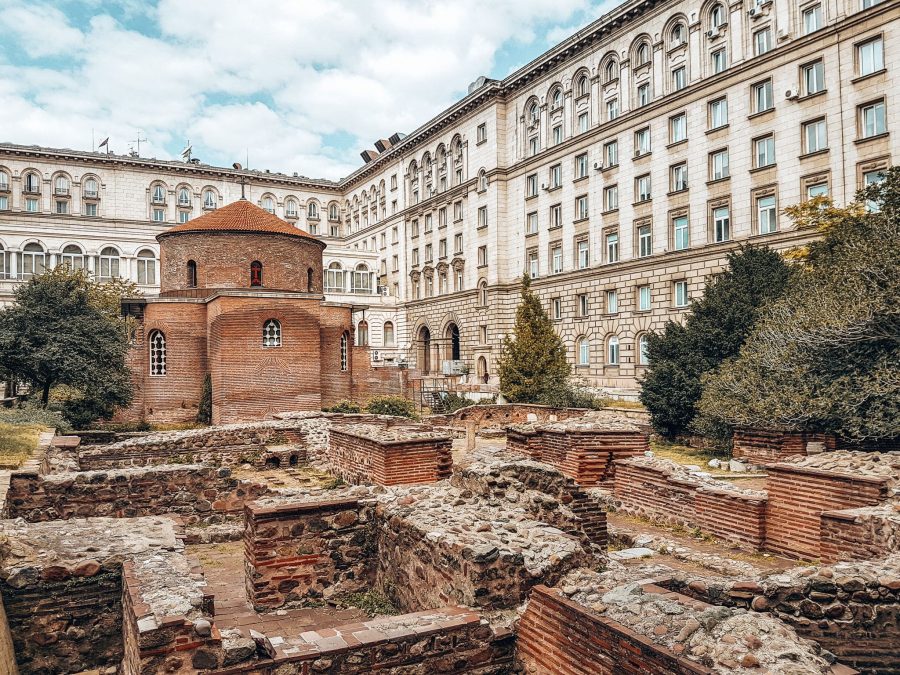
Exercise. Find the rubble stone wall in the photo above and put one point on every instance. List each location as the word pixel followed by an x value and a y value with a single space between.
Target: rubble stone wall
pixel 860 534
pixel 660 490
pixel 198 493
pixel 797 498
pixel 366 454
pixel 759 446
pixel 502 415
pixel 301 552
pixel 557 635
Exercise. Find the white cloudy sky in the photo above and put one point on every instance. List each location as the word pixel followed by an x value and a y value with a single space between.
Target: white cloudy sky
pixel 303 85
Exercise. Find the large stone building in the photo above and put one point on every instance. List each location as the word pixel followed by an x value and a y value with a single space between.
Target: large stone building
pixel 618 169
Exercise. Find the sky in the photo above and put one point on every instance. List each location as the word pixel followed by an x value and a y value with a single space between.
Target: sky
pixel 299 85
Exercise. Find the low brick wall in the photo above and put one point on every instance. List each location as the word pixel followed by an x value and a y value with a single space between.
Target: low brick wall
pixel 197 493
pixel 452 640
pixel 301 552
pixel 759 446
pixel 367 454
pixel 557 635
pixel 860 534
pixel 799 495
pixel 660 490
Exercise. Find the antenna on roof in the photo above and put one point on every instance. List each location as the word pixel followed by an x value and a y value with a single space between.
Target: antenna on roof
pixel 138 140
pixel 243 181
pixel 186 153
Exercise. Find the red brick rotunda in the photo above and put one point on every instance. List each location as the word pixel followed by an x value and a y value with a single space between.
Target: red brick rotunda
pixel 241 299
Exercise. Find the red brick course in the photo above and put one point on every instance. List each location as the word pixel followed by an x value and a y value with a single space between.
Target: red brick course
pixel 758 446
pixel 359 459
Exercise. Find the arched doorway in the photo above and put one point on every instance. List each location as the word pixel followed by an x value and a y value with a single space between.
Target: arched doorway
pixel 482 370
pixel 451 335
pixel 424 353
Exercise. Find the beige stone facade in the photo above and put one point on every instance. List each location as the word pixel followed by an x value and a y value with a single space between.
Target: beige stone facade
pixel 619 168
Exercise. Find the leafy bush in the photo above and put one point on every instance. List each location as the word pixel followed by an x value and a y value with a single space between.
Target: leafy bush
pixel 392 405
pixel 453 402
pixel 345 406
pixel 33 415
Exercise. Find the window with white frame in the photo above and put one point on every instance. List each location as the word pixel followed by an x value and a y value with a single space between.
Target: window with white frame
pixel 555 219
pixel 157 342
pixel 766 214
pixel 482 216
pixel 817 190
pixel 557 134
pixel 718 165
pixel 642 188
pixel 870 3
pixel 146 267
pixel 763 99
pixel 583 122
pixel 680 233
pixel 334 277
pixel 813 75
pixel 644 299
pixel 584 352
pixel 210 200
pixel 721 223
pixel 581 207
pixel 612 109
pixel 872 119
pixel 612 351
pixel 718 113
pixel 556 259
pixel 762 41
pixel 290 208
pixel 184 196
pixel 581 166
pixel 717 16
pixel 645 241
pixel 611 154
pixel 531 223
pixel 681 294
pixel 719 61
pixel 611 197
pixel 815 136
pixel 643 342
pixel 158 194
pixel 612 302
pixel 32 261
pixel 612 247
pixel 764 151
pixel 643 94
pixel 533 269
pixel 555 176
pixel 872 178
pixel 109 263
pixel 678 128
pixel 870 56
pixel 642 142
pixel 312 210
pixel 481 133
pixel 482 256
pixel 679 177
pixel 679 79
pixel 812 19
pixel 556 303
pixel 73 257
pixel 584 257
pixel 583 305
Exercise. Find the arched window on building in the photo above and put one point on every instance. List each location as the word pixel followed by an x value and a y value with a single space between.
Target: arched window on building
pixel 73 257
pixel 679 34
pixel 643 342
pixel 345 347
pixel 583 348
pixel 109 263
pixel 482 294
pixel 32 183
pixel 334 279
pixel 333 212
pixel 191 274
pixel 89 188
pixel 256 273
pixel 388 334
pixel 312 210
pixel 146 267
pixel 612 70
pixel 210 200
pixel 61 186
pixel 184 196
pixel 716 16
pixel 290 208
pixel 556 98
pixel 362 279
pixel 33 261
pixel 4 263
pixel 612 351
pixel 362 333
pixel 482 180
pixel 582 86
pixel 534 112
pixel 643 54
pixel 158 194
pixel 157 353
pixel 268 204
pixel 272 333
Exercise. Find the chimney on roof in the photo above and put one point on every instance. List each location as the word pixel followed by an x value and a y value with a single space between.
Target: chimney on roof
pixel 383 145
pixel 397 137
pixel 368 155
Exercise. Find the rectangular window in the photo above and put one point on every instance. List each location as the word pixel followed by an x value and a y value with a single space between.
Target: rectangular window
pixel 428 220
pixel 414 227
pixel 582 123
pixel 719 165
pixel 815 136
pixel 817 190
pixel 718 113
pixel 762 96
pixel 678 128
pixel 395 263
pixel 555 176
pixel 872 119
pixel 581 207
pixel 482 256
pixel 645 241
pixel 644 299
pixel 766 214
pixel 429 253
pixel 812 19
pixel 533 264
pixel 481 133
pixel 442 248
pixel 533 146
pixel 721 224
pixel 642 142
pixel 679 177
pixel 681 294
pixel 531 185
pixel 393 181
pixel 870 56
pixel 872 178
pixel 611 154
pixel 62 206
pixel 483 334
pixel 159 215
pixel 870 3
pixel 556 259
pixel 457 211
pixel 557 308
pixel 555 216
pixel 680 233
pixel 31 205
pixel 584 256
pixel 557 134
pixel 612 109
pixel 611 197
pixel 679 79
pixel 415 256
pixel 457 243
pixel 612 247
pixel 719 60
pixel 762 41
pixel 184 216
pixel 813 77
pixel 581 166
pixel 642 188
pixel 764 151
pixel 482 216
pixel 612 302
pixel 4 205
pixel 442 217
pixel 643 95
pixel 583 307
pixel 531 221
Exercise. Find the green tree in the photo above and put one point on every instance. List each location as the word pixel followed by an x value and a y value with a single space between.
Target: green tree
pixel 533 365
pixel 825 356
pixel 204 410
pixel 65 329
pixel 714 329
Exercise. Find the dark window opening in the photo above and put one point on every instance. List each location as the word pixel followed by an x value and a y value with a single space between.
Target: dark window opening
pixel 191 274
pixel 309 280
pixel 256 273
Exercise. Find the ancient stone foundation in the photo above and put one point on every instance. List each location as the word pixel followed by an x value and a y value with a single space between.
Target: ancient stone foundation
pixel 759 446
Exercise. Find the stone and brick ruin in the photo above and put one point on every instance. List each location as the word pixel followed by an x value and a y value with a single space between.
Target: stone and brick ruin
pixel 202 551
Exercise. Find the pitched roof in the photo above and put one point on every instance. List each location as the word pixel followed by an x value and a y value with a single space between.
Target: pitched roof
pixel 239 216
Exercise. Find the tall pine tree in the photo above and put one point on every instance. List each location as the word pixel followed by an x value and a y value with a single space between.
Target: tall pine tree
pixel 533 365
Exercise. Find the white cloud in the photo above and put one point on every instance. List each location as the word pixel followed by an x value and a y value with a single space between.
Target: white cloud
pixel 277 77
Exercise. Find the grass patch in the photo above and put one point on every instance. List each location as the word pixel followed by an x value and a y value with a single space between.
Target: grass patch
pixel 683 454
pixel 372 603
pixel 616 403
pixel 17 442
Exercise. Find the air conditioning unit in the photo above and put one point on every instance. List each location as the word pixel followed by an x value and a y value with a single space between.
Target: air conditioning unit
pixel 791 93
pixel 755 12
pixel 544 186
pixel 598 166
pixel 712 33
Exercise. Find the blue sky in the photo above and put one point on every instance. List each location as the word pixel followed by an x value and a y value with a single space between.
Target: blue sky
pixel 302 85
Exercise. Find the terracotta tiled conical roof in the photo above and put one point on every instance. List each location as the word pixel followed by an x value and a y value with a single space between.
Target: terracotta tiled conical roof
pixel 239 216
